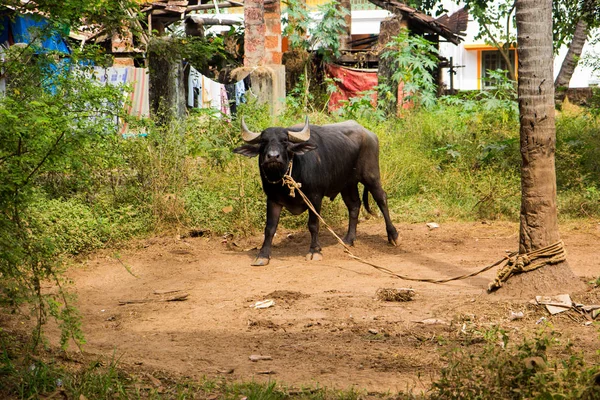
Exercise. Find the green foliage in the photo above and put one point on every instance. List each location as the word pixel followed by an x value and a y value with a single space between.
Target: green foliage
pixel 114 15
pixel 437 164
pixel 59 169
pixel 321 41
pixel 51 114
pixel 594 101
pixel 300 97
pixel 324 37
pixel 498 105
pixel 360 107
pixel 578 146
pixel 498 27
pixel 566 15
pixel 296 22
pixel 496 20
pixel 414 59
pixel 448 162
pixel 202 52
pixel 531 369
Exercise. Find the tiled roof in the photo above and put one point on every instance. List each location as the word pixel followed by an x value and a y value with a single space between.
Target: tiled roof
pixel 450 27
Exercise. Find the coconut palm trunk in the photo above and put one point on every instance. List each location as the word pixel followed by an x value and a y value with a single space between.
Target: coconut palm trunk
pixel 539 213
pixel 561 84
pixel 539 221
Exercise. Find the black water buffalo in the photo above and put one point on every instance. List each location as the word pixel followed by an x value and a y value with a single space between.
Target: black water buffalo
pixel 326 160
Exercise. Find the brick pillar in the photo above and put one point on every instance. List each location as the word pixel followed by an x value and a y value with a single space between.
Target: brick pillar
pixel 273 53
pixel 262 58
pixel 346 38
pixel 254 40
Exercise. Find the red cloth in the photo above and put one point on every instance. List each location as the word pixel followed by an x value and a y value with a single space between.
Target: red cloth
pixel 350 83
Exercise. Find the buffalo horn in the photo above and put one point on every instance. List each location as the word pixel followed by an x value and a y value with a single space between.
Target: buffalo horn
pixel 301 136
pixel 247 135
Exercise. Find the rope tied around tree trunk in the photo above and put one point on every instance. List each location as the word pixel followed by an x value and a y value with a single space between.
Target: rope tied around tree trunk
pixel 515 263
pixel 519 263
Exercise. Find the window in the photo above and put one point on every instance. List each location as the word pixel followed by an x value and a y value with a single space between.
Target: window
pixel 493 60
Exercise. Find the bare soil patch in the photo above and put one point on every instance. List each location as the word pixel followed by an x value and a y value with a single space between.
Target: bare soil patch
pixel 327 326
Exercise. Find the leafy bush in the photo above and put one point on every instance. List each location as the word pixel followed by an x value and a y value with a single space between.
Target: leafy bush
pixel 538 368
pixel 413 58
pixel 577 149
pixel 360 107
pixel 324 33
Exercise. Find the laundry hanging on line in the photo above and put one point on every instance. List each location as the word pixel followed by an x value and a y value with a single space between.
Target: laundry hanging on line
pixel 204 92
pixel 138 104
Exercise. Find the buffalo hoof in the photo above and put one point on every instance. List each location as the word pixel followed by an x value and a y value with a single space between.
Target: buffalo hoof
pixel 314 257
pixel 348 242
pixel 393 242
pixel 260 262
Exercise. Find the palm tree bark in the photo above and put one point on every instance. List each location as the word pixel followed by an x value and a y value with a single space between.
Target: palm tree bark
pixel 539 213
pixel 561 84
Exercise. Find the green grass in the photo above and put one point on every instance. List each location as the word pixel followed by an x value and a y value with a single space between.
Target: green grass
pixel 27 377
pixel 543 366
pixel 446 163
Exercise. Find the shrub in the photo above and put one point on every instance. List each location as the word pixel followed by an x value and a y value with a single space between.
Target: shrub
pixel 538 368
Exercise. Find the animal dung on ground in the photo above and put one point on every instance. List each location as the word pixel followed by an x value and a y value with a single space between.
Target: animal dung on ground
pixel 390 294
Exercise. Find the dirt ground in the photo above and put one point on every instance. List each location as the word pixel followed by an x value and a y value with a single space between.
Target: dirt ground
pixel 326 327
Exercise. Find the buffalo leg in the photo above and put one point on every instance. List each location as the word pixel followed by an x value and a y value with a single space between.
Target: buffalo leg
pixel 273 213
pixel 381 199
pixel 352 200
pixel 314 253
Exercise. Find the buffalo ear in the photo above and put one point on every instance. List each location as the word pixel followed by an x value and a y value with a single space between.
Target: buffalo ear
pixel 248 150
pixel 301 148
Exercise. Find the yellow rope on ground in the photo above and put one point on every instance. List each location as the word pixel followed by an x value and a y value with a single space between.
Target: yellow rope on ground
pixel 515 262
pixel 552 254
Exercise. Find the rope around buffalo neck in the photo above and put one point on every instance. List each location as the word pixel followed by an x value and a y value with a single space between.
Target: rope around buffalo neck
pixel 515 263
pixel 288 172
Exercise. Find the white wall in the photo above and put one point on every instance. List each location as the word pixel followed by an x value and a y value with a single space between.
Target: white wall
pixel 466 78
pixel 583 76
pixel 367 21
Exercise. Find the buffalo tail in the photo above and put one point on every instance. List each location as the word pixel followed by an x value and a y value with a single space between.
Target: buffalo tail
pixel 365 200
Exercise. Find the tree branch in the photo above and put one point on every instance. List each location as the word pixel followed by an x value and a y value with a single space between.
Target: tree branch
pixel 503 52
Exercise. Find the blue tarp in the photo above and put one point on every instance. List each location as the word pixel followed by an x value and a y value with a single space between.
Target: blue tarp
pixel 24 28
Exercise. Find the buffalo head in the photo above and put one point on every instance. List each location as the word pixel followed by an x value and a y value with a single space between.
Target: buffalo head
pixel 275 148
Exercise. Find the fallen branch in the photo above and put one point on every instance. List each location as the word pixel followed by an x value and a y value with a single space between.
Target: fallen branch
pixel 179 297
